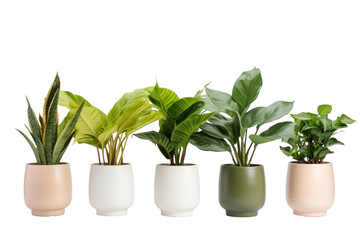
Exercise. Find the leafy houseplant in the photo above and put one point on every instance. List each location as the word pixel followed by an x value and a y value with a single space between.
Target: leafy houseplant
pixel 232 134
pixel 47 188
pixel 177 184
pixel 313 136
pixel 111 180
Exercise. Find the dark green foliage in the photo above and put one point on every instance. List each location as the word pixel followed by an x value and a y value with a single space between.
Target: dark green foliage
pixel 313 135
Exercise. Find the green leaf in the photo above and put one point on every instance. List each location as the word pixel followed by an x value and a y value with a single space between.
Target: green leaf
pixel 128 99
pixel 277 131
pixel 72 101
pixel 345 119
pixel 276 111
pixel 247 88
pixel 167 126
pixel 36 133
pixel 65 135
pixel 163 98
pixel 285 150
pixel 65 147
pixel 183 131
pixel 326 123
pixel 308 126
pixel 144 120
pixel 180 106
pixel 301 116
pixel 32 147
pixel 195 109
pixel 207 143
pixel 333 141
pixel 156 138
pixel 324 110
pixel 215 131
pixel 50 134
pixel 54 89
pixel 223 101
pixel 253 117
pixel 63 124
pixel 230 124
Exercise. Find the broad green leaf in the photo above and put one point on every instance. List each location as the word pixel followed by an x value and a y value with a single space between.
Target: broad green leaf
pixel 156 138
pixel 128 99
pixel 323 153
pixel 215 131
pixel 207 143
pixel 253 117
pixel 285 150
pixel 195 109
pixel 230 124
pixel 180 106
pixel 64 136
pixel 167 126
pixel 324 110
pixel 246 89
pixel 325 123
pixel 72 101
pixel 89 125
pixel 277 131
pixel 37 157
pixel 63 124
pixel 326 135
pixel 163 98
pixel 308 126
pixel 143 121
pixel 345 119
pixel 222 100
pixel 301 116
pixel 276 111
pixel 183 131
pixel 50 134
pixel 198 93
pixel 333 141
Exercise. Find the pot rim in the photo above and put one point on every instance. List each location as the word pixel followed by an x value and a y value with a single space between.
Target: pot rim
pixel 47 165
pixel 305 164
pixel 168 165
pixel 232 165
pixel 106 165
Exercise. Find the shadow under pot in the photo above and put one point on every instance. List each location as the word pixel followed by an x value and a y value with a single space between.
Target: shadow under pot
pixel 47 188
pixel 111 189
pixel 242 189
pixel 177 189
pixel 310 188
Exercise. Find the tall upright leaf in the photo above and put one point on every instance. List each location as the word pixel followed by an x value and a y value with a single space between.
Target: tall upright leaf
pixel 50 135
pixel 163 98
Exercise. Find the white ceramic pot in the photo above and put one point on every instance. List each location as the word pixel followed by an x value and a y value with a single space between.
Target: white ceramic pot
pixel 177 189
pixel 111 189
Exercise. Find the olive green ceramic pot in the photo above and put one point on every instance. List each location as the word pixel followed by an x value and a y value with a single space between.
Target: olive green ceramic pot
pixel 242 190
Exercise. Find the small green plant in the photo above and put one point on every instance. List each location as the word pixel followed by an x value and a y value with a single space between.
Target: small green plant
pixel 313 135
pixel 109 133
pixel 182 118
pixel 231 134
pixel 51 140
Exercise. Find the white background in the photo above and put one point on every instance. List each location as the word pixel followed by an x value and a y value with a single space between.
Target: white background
pixel 308 51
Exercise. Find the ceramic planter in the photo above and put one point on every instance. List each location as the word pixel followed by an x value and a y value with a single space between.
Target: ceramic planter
pixel 111 189
pixel 242 190
pixel 47 188
pixel 310 188
pixel 177 189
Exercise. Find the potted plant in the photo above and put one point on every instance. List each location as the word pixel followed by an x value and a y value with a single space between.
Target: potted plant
pixel 47 185
pixel 241 184
pixel 111 186
pixel 310 181
pixel 177 187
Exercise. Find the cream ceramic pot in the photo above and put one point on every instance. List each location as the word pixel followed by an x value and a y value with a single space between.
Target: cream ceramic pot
pixel 310 188
pixel 177 189
pixel 47 188
pixel 111 189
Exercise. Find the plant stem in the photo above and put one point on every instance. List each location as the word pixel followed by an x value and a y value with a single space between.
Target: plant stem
pixel 176 156
pixel 252 155
pixel 97 149
pixel 102 150
pixel 171 159
pixel 122 152
pixel 184 153
pixel 236 155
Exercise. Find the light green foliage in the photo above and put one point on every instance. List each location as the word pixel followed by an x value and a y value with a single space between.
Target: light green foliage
pixel 109 133
pixel 183 117
pixel 51 139
pixel 230 133
pixel 313 135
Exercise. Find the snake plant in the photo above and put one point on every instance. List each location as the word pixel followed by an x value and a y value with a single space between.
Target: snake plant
pixel 109 133
pixel 51 139
pixel 182 118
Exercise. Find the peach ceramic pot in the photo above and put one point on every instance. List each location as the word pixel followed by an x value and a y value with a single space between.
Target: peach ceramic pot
pixel 47 188
pixel 310 188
